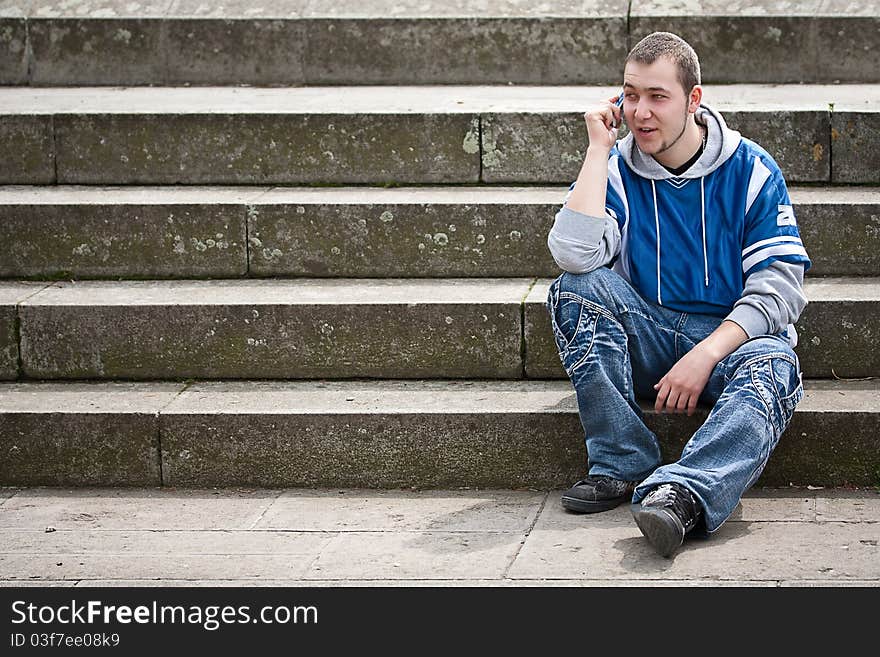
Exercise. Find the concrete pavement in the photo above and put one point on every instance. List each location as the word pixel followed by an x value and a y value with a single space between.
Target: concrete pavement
pixel 336 537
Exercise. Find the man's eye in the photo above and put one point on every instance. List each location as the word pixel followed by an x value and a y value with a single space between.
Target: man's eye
pixel 659 97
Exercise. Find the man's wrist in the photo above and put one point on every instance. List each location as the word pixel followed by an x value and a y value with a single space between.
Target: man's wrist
pixel 710 350
pixel 598 152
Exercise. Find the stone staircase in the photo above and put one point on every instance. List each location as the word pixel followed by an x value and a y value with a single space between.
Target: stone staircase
pixel 337 278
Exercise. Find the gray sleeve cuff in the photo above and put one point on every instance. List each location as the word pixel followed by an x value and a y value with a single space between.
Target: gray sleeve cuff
pixel 578 227
pixel 750 319
pixel 581 243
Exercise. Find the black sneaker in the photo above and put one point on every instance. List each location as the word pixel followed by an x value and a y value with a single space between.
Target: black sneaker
pixel 597 493
pixel 665 515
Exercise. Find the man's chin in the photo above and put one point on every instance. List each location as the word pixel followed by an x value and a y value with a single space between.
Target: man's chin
pixel 649 148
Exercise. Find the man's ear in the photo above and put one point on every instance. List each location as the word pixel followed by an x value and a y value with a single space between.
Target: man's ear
pixel 695 98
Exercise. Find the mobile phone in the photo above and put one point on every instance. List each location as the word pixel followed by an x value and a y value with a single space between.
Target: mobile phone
pixel 618 103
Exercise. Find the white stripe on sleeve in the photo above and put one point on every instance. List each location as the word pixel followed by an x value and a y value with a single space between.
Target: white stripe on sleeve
pixel 755 258
pixel 772 240
pixel 760 174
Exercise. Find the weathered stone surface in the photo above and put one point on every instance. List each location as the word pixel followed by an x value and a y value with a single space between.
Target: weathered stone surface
pixel 848 36
pixel 84 539
pixel 777 505
pixel 371 434
pixel 372 510
pixel 95 8
pixel 8 342
pixel 93 51
pixel 402 556
pixel 8 332
pixel 833 43
pixel 465 50
pixel 159 509
pixel 255 52
pixel 459 8
pixel 402 232
pixel 242 8
pixel 836 332
pixel 549 148
pixel 260 149
pixel 307 43
pixel 532 148
pixel 840 228
pixel 848 506
pixel 726 45
pixel 856 146
pixel 441 43
pixel 387 328
pixel 799 141
pixel 11 294
pixel 86 566
pixel 13 50
pixel 541 354
pixel 79 233
pixel 81 434
pixel 28 150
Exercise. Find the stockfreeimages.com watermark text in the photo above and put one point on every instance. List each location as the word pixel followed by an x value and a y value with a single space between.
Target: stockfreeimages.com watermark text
pixel 210 617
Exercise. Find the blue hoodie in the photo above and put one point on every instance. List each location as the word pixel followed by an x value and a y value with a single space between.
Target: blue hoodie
pixel 720 239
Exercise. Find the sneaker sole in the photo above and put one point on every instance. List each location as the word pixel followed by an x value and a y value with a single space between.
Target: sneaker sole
pixel 586 506
pixel 662 529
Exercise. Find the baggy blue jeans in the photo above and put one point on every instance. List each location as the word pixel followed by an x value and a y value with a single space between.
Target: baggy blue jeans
pixel 615 345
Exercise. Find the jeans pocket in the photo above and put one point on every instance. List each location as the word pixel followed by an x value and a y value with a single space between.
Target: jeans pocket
pixel 790 402
pixel 778 379
pixel 566 315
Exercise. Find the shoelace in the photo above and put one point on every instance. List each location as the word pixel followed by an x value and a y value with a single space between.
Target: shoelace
pixel 666 496
pixel 599 480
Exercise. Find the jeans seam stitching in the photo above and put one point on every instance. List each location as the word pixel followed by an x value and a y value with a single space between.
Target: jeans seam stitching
pixel 569 371
pixel 648 318
pixel 577 328
pixel 779 354
pixel 760 388
pixel 586 302
pixel 797 389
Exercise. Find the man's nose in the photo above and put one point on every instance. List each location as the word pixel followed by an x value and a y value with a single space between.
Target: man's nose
pixel 641 111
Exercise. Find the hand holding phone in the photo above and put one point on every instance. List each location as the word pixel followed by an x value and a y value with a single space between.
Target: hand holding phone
pixel 602 128
pixel 618 103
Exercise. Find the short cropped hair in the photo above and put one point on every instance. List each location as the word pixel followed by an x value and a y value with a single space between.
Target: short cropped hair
pixel 679 52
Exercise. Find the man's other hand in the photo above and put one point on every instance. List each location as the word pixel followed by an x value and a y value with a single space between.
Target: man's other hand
pixel 680 388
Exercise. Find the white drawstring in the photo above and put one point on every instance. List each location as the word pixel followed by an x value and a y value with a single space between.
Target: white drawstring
pixel 657 224
pixel 703 212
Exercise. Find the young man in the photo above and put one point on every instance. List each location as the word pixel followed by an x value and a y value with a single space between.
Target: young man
pixel 704 286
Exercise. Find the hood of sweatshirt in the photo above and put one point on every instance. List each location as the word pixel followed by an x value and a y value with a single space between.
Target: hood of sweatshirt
pixel 721 142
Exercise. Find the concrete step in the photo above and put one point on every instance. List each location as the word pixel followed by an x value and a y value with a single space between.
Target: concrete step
pixel 837 332
pixel 391 135
pixel 296 42
pixel 424 434
pixel 350 328
pixel 81 232
pixel 11 294
pixel 310 328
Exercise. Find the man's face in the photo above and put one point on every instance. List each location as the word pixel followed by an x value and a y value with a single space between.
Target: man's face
pixel 655 105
